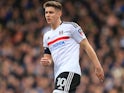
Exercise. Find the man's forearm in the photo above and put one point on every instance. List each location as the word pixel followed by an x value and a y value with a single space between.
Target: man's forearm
pixel 90 52
pixel 92 55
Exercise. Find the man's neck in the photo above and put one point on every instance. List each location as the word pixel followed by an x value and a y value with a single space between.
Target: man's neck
pixel 55 25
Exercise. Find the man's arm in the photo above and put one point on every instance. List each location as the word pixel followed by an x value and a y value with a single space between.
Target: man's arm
pixel 46 60
pixel 92 55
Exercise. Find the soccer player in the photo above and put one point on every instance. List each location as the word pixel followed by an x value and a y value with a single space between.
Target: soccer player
pixel 61 46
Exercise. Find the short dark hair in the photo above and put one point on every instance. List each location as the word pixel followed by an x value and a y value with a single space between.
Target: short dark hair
pixel 54 4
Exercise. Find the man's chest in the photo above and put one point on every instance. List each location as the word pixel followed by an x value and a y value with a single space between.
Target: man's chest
pixel 58 39
pixel 58 35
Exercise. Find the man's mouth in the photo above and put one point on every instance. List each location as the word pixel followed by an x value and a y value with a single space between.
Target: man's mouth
pixel 48 19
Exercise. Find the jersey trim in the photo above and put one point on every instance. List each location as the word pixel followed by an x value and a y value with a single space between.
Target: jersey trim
pixel 69 80
pixel 58 39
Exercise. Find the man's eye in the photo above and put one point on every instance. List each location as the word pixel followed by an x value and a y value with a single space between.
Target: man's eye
pixel 50 12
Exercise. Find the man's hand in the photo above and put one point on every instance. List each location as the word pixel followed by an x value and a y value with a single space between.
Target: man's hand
pixel 99 73
pixel 45 61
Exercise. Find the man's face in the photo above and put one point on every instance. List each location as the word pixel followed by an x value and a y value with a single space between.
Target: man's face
pixel 52 15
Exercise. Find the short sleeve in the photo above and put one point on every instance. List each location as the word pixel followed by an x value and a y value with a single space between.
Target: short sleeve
pixel 45 41
pixel 77 33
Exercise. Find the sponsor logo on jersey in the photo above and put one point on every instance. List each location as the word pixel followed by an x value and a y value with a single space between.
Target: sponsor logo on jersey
pixel 57 45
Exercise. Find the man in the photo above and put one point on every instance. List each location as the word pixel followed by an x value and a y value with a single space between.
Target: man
pixel 61 46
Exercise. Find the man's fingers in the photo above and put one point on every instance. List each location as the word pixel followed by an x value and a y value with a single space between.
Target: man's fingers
pixel 45 62
pixel 44 59
pixel 100 76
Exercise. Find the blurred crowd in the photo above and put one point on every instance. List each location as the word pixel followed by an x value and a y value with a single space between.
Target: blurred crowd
pixel 22 25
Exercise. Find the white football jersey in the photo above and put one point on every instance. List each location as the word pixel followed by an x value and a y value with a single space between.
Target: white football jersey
pixel 64 44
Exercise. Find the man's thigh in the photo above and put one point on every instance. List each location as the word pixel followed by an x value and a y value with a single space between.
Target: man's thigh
pixel 67 82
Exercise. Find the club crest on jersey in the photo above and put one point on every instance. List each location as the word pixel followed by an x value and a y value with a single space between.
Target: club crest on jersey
pixel 60 32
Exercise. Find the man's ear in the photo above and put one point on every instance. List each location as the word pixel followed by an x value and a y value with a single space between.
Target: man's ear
pixel 60 13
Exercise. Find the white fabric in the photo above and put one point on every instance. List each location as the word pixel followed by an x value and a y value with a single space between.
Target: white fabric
pixel 63 43
pixel 59 91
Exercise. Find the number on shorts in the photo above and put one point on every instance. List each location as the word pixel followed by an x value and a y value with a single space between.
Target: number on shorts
pixel 61 83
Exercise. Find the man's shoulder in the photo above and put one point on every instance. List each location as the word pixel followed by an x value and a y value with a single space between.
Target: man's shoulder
pixel 70 24
pixel 47 33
